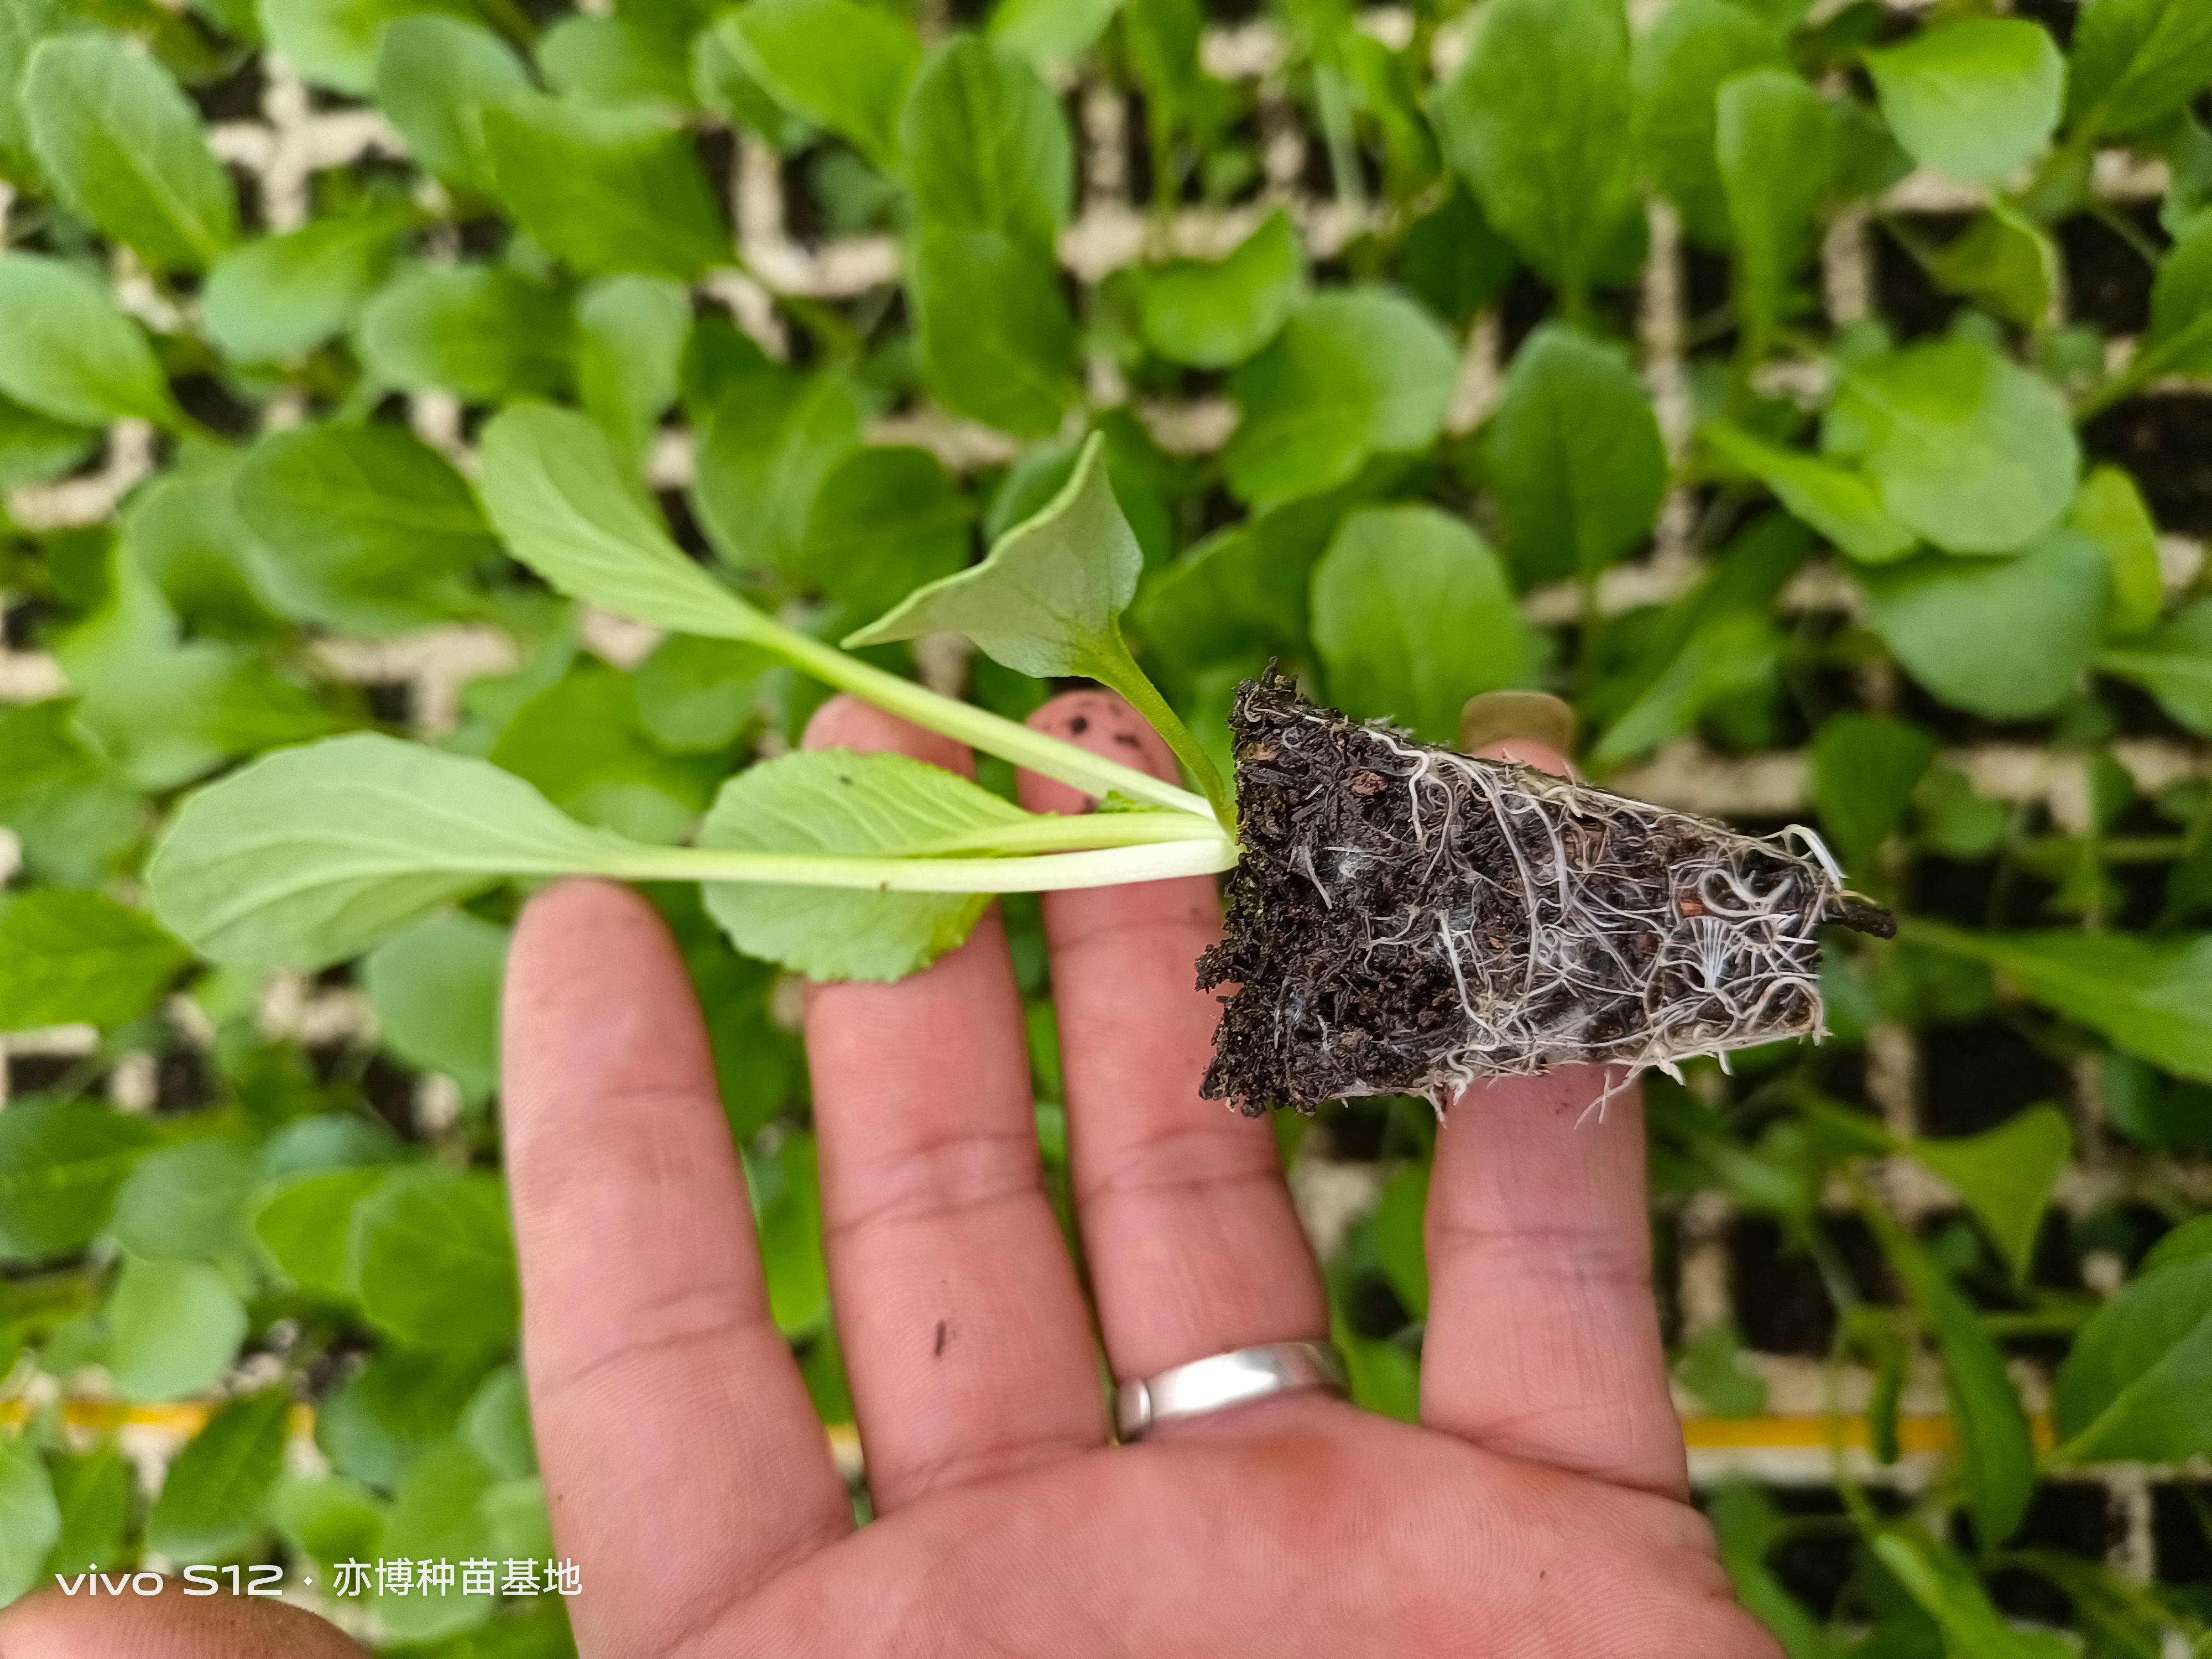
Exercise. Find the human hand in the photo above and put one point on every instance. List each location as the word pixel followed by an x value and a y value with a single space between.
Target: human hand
pixel 1540 1508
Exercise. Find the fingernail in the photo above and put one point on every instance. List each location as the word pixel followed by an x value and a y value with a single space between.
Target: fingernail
pixel 1499 716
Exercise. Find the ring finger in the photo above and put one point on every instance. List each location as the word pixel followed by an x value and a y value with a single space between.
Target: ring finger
pixel 1194 1246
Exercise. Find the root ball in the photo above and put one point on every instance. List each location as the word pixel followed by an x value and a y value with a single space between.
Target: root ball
pixel 1405 920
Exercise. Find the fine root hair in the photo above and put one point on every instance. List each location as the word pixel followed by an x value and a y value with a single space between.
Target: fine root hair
pixel 1406 920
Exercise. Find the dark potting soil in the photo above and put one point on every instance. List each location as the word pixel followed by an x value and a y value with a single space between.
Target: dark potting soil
pixel 1404 919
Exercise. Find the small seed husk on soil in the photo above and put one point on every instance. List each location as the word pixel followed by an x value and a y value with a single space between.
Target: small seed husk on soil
pixel 1405 920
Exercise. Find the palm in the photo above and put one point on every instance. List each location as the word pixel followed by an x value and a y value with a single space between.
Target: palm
pixel 1303 1527
pixel 1540 1509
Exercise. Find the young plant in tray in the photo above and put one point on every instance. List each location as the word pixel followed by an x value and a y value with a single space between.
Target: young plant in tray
pixel 1404 919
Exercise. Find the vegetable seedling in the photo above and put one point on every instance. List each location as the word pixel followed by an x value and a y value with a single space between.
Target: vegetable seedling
pixel 1403 918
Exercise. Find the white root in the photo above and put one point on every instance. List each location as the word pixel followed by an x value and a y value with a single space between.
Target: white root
pixel 1737 964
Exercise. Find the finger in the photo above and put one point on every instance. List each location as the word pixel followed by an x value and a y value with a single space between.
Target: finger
pixel 964 1334
pixel 1543 1337
pixel 1188 1230
pixel 169 1625
pixel 683 1459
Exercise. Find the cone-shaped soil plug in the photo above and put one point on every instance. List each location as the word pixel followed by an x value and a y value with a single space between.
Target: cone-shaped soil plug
pixel 1405 920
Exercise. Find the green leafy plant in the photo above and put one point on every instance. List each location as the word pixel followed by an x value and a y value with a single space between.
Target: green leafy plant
pixel 448 446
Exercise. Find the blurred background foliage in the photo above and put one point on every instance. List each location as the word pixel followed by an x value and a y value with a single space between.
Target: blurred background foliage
pixel 1815 392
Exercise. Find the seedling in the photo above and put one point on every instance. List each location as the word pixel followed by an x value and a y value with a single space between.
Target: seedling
pixel 1404 918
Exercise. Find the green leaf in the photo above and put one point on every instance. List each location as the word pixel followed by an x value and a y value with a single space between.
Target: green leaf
pixel 1964 448
pixel 614 61
pixel 630 335
pixel 1352 372
pixel 1996 1455
pixel 305 1223
pixel 583 744
pixel 606 190
pixel 1840 504
pixel 61 1164
pixel 497 1425
pixel 404 1402
pixel 2003 261
pixel 215 1498
pixel 721 83
pixel 1413 615
pixel 695 696
pixel 1712 1367
pixel 1537 120
pixel 187 1202
pixel 1047 601
pixel 279 297
pixel 481 332
pixel 310 855
pixel 1398 1219
pixel 789 1202
pixel 166 711
pixel 2110 511
pixel 437 1259
pixel 2132 1388
pixel 365 528
pixel 22 26
pixel 1864 771
pixel 1746 1528
pixel 184 531
pixel 566 507
pixel 1215 313
pixel 2005 638
pixel 172 1329
pixel 986 146
pixel 1715 644
pixel 838 62
pixel 2180 332
pixel 94 1493
pixel 30 1519
pixel 435 989
pixel 2135 63
pixel 333 43
pixel 1951 1594
pixel 436 76
pixel 2005 1176
pixel 1678 67
pixel 2190 1241
pixel 762 460
pixel 67 957
pixel 124 148
pixel 437 1513
pixel 993 332
pixel 2152 997
pixel 1972 101
pixel 1576 456
pixel 1774 211
pixel 1047 32
pixel 1242 594
pixel 69 811
pixel 2173 664
pixel 34 448
pixel 67 351
pixel 1454 261
pixel 835 801
pixel 884 522
pixel 328 1520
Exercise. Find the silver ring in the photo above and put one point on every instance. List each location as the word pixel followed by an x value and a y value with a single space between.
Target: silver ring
pixel 1222 1380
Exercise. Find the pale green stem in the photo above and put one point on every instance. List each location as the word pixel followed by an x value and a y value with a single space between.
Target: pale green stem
pixel 1065 835
pixel 1050 872
pixel 1335 102
pixel 1120 671
pixel 1079 768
